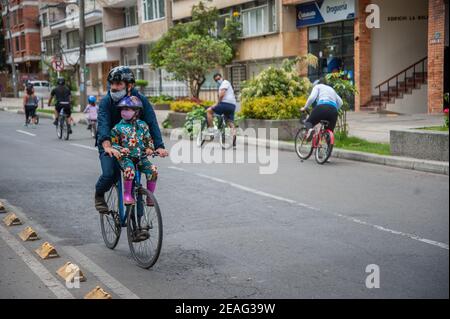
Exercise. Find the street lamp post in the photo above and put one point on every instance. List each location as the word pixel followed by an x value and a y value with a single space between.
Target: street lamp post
pixel 83 96
pixel 11 51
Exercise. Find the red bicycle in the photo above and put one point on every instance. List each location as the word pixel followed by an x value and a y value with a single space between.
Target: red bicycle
pixel 322 142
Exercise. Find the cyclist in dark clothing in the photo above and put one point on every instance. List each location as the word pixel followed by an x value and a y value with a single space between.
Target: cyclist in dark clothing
pixel 63 95
pixel 121 82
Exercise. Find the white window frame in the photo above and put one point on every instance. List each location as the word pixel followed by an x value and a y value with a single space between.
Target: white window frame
pixel 128 13
pixel 265 20
pixel 156 10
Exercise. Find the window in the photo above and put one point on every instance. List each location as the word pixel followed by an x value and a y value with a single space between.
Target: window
pixel 94 34
pixel 17 44
pixel 22 41
pixel 44 19
pixel 130 16
pixel 259 19
pixel 73 40
pixel 153 9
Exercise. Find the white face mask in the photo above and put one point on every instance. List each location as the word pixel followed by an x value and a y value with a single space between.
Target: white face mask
pixel 117 96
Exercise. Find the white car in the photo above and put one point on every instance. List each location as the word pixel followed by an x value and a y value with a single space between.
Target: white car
pixel 41 88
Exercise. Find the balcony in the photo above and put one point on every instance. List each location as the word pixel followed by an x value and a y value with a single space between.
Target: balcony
pixel 122 33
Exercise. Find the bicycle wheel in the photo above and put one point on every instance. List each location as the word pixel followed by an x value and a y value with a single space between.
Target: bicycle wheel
pixel 145 231
pixel 200 140
pixel 110 223
pixel 324 149
pixel 226 137
pixel 303 147
pixel 37 119
pixel 94 130
pixel 66 131
pixel 59 129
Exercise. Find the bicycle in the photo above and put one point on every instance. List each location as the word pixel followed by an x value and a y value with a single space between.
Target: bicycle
pixel 222 131
pixel 92 126
pixel 322 142
pixel 136 218
pixel 62 127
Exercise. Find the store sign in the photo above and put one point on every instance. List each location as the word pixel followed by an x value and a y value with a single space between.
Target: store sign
pixel 324 11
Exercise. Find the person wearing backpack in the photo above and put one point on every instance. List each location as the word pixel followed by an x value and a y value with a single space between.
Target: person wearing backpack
pixel 30 104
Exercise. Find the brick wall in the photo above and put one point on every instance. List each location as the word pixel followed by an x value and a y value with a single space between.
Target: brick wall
pixel 436 23
pixel 362 57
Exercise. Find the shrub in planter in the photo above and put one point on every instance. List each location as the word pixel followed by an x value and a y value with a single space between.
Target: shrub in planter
pixel 142 84
pixel 197 114
pixel 186 106
pixel 272 108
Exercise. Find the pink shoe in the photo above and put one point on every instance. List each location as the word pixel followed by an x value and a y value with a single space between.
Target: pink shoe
pixel 151 186
pixel 128 198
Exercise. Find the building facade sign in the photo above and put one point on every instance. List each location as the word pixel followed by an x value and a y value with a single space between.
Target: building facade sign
pixel 324 11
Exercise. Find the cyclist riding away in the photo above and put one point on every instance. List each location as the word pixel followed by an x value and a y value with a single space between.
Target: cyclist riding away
pixel 63 96
pixel 121 83
pixel 328 103
pixel 30 104
pixel 91 111
pixel 131 137
pixel 226 106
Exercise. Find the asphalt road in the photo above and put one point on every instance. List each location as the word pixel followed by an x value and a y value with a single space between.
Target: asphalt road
pixel 308 231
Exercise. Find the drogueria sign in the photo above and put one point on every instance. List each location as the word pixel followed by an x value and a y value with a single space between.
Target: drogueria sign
pixel 324 11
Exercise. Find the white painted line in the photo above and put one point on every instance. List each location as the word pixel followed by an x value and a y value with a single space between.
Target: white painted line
pixel 290 201
pixel 27 133
pixel 44 275
pixel 112 283
pixel 84 146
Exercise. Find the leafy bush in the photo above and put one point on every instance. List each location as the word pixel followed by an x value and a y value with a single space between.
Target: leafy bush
pixel 142 83
pixel 345 88
pixel 162 99
pixel 187 105
pixel 283 81
pixel 272 107
pixel 197 114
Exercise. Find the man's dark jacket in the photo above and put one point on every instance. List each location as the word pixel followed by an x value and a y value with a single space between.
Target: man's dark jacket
pixel 109 116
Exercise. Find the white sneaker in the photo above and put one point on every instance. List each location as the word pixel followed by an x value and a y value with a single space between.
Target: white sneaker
pixel 211 131
pixel 310 134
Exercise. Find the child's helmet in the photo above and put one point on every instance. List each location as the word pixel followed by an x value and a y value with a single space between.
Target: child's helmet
pixel 92 99
pixel 132 102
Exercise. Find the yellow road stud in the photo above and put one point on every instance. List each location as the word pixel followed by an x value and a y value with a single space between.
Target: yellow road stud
pixel 47 251
pixel 12 220
pixel 71 272
pixel 28 234
pixel 97 293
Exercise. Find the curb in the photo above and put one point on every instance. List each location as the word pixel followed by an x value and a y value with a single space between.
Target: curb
pixel 427 166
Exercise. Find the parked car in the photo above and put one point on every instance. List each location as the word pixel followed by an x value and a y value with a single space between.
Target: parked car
pixel 41 88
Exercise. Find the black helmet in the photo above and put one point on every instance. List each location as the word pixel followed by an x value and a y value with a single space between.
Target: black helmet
pixel 29 88
pixel 121 73
pixel 61 81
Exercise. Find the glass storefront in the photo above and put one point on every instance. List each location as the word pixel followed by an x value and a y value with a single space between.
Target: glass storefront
pixel 333 44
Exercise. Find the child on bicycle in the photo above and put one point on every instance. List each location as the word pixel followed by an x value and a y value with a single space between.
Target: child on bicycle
pixel 131 137
pixel 91 111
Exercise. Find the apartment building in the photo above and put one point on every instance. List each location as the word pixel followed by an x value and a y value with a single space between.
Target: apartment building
pixel 22 38
pixel 130 27
pixel 60 40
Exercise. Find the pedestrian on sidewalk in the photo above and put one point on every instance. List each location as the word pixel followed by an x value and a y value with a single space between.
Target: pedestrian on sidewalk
pixel 30 104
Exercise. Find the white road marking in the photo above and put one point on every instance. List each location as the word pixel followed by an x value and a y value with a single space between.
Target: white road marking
pixel 44 275
pixel 27 133
pixel 113 284
pixel 290 201
pixel 84 146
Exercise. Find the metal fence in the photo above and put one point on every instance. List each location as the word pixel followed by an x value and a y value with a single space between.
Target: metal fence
pixel 206 93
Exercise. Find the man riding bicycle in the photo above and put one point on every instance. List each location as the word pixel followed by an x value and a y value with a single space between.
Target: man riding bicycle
pixel 226 106
pixel 121 81
pixel 328 103
pixel 63 95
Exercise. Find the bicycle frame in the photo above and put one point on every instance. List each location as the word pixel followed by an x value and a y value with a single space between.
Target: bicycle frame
pixel 136 184
pixel 320 132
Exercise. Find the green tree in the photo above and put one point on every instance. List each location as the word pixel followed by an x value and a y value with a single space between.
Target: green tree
pixel 191 58
pixel 189 51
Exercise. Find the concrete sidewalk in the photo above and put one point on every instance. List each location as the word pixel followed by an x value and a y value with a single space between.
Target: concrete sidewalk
pixel 376 127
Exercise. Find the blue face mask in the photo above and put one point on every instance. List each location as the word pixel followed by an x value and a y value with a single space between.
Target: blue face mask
pixel 219 83
pixel 117 96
